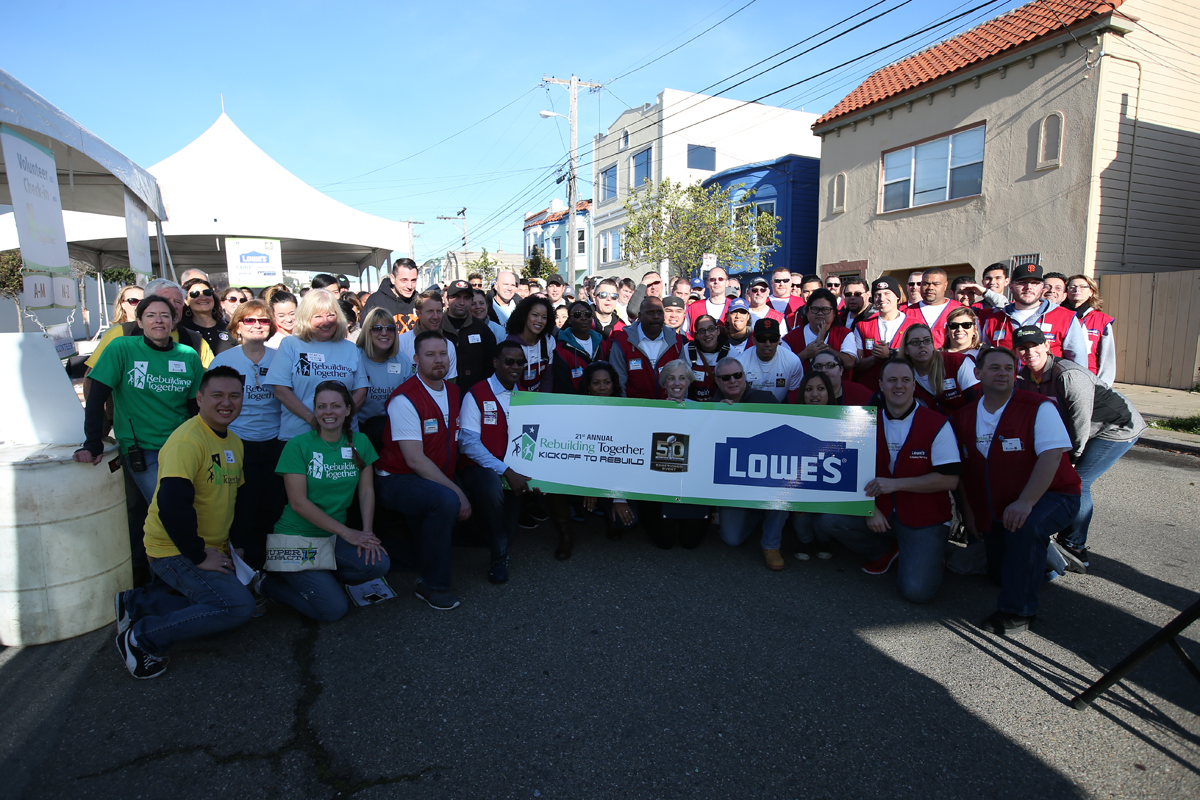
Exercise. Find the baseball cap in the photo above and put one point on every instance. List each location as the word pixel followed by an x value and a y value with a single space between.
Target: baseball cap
pixel 555 280
pixel 887 282
pixel 738 304
pixel 766 327
pixel 1023 272
pixel 698 283
pixel 733 289
pixel 759 281
pixel 1028 334
pixel 458 287
pixel 673 302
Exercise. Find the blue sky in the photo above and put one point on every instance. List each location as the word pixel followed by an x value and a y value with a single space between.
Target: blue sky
pixel 335 90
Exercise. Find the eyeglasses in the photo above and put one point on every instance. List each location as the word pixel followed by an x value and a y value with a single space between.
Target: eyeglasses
pixel 133 301
pixel 833 286
pixel 580 315
pixel 707 329
pixel 233 298
pixel 383 328
pixel 758 288
pixel 606 295
pixel 921 342
pixel 825 366
pixel 199 292
pixel 766 339
pixel 959 326
pixel 515 362
pixel 819 309
pixel 914 283
pixel 732 376
pixel 255 321
pixel 854 294
pixel 781 280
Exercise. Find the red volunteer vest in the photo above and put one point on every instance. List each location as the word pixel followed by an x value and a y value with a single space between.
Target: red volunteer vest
pixel 642 380
pixel 852 395
pixel 994 482
pixel 700 308
pixel 439 439
pixel 868 331
pixel 915 459
pixel 493 424
pixel 1055 323
pixel 1094 322
pixel 531 378
pixel 837 335
pixel 704 384
pixel 575 361
pixel 952 396
pixel 938 328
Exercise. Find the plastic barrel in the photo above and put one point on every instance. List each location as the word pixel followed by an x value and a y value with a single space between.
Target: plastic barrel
pixel 64 544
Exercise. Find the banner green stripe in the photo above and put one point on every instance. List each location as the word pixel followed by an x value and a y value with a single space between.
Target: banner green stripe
pixel 854 508
pixel 42 269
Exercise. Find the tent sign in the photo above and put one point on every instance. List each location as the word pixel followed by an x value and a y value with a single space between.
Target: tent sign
pixel 38 292
pixel 137 236
pixel 253 262
pixel 37 207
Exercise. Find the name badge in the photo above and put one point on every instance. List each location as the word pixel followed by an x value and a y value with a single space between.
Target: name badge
pixel 490 417
pixel 635 363
pixel 531 372
pixel 229 458
pixel 262 371
pixel 697 375
pixel 949 385
pixel 473 338
pixel 870 344
pixel 223 336
pixel 316 358
pixel 577 372
pixel 489 405
pixel 347 452
pixel 1011 445
pixel 176 366
pixel 1045 326
pixel 395 369
pixel 430 425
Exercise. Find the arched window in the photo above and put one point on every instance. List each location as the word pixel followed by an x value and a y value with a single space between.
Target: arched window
pixel 838 193
pixel 1050 141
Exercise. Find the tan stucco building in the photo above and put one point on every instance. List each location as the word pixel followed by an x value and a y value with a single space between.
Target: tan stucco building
pixel 1064 128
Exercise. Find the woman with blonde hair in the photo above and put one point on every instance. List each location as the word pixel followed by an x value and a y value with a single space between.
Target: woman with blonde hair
pixel 126 303
pixel 962 332
pixel 385 371
pixel 671 523
pixel 1083 297
pixel 317 351
pixel 945 381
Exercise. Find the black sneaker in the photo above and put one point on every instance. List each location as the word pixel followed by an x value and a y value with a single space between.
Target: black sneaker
pixel 123 618
pixel 1004 624
pixel 140 664
pixel 527 521
pixel 442 601
pixel 498 572
pixel 1077 560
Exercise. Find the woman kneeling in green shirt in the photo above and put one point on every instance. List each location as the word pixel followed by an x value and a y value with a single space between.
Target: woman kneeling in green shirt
pixel 312 552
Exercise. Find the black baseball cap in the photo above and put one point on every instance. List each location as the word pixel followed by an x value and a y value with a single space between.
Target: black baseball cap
pixel 1023 272
pixel 458 287
pixel 555 280
pixel 1028 334
pixel 766 327
pixel 759 281
pixel 673 302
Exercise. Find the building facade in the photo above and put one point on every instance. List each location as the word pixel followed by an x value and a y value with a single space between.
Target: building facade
pixel 549 230
pixel 1068 130
pixel 688 138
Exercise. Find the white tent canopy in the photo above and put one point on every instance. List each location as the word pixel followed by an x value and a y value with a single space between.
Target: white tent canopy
pixel 222 184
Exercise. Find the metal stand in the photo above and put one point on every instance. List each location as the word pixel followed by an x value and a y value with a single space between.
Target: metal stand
pixel 1166 636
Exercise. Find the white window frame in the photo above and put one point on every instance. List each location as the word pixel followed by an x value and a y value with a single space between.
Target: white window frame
pixel 580 242
pixel 912 169
pixel 623 142
pixel 839 183
pixel 603 247
pixel 615 244
pixel 634 183
pixel 1056 161
pixel 604 194
pixel 558 250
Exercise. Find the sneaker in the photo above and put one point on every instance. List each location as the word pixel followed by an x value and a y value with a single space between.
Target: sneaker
pixel 140 664
pixel 538 511
pixel 824 550
pixel 442 601
pixel 1077 560
pixel 773 558
pixel 527 521
pixel 577 515
pixel 882 564
pixel 257 581
pixel 498 572
pixel 1004 624
pixel 805 551
pixel 124 620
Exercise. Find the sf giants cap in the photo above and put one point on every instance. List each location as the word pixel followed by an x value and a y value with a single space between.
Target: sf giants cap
pixel 766 327
pixel 1028 334
pixel 1022 272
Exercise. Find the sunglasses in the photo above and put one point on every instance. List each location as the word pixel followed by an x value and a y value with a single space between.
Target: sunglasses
pixel 766 339
pixel 606 295
pixel 758 288
pixel 914 283
pixel 833 286
pixel 580 315
pixel 233 298
pixel 255 321
pixel 959 326
pixel 133 301
pixel 733 376
pixel 201 292
pixel 382 328
pixel 854 294
pixel 515 362
pixel 781 280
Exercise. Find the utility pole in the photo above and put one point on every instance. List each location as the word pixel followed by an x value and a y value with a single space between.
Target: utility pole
pixel 572 195
pixel 461 217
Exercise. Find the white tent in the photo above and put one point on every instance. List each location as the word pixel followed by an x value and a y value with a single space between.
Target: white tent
pixel 222 184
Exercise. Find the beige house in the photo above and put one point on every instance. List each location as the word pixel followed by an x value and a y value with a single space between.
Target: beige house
pixel 1069 129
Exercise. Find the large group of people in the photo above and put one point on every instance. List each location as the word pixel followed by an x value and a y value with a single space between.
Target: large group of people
pixel 319 439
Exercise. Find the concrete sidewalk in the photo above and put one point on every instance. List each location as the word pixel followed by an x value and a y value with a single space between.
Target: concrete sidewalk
pixel 1155 403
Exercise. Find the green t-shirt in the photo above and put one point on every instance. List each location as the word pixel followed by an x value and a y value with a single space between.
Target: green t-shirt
pixel 150 387
pixel 331 474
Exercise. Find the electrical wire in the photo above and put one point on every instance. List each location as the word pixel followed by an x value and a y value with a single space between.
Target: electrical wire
pixel 685 44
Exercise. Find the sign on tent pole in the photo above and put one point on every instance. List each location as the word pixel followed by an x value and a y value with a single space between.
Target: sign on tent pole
pixel 253 262
pixel 137 235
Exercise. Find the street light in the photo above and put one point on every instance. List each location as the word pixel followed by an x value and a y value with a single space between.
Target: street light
pixel 549 114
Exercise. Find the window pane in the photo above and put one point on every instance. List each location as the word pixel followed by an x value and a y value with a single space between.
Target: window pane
pixel 966 181
pixel 641 168
pixel 968 147
pixel 766 208
pixel 929 184
pixel 608 183
pixel 616 245
pixel 897 165
pixel 699 157
pixel 895 196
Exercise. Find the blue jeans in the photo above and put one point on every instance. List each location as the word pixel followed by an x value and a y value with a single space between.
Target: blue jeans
pixel 802 524
pixel 737 523
pixel 317 593
pixel 1017 559
pixel 1098 456
pixel 431 510
pixel 495 509
pixel 212 602
pixel 147 480
pixel 921 549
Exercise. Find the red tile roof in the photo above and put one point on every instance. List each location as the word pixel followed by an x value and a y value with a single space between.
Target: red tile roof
pixel 546 215
pixel 1017 27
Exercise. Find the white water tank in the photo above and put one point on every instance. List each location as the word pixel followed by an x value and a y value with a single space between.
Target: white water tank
pixel 64 543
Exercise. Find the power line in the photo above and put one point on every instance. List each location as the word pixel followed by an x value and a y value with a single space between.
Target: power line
pixel 685 44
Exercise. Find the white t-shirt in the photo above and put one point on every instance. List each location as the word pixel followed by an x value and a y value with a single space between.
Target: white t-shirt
pixel 780 304
pixel 966 377
pixel 469 417
pixel 405 350
pixel 931 313
pixel 1048 429
pixel 888 329
pixel 849 344
pixel 895 432
pixel 736 350
pixel 653 348
pixel 714 310
pixel 761 313
pixel 504 312
pixel 778 376
pixel 406 423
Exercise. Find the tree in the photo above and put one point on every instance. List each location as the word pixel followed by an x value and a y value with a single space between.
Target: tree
pixel 538 265
pixel 485 265
pixel 11 282
pixel 681 223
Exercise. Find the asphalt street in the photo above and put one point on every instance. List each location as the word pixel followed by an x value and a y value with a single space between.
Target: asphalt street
pixel 638 673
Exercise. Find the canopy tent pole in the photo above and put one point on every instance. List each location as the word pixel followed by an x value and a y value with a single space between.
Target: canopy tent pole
pixel 162 250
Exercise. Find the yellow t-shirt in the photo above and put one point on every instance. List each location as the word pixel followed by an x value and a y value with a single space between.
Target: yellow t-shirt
pixel 214 466
pixel 206 354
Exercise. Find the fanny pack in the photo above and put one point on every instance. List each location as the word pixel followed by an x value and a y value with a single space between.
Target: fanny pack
pixel 298 553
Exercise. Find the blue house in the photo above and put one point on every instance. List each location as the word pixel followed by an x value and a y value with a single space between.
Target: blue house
pixel 789 188
pixel 549 231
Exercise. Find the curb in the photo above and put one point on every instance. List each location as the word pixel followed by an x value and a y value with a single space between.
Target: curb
pixel 1168 444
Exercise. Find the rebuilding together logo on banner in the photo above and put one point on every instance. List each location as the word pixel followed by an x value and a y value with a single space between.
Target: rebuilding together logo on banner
pixel 786 457
pixel 593 447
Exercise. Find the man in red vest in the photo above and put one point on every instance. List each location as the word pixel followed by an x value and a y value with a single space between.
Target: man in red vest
pixel 717 303
pixel 934 306
pixel 483 443
pixel 415 471
pixel 640 351
pixel 916 468
pixel 880 337
pixel 1064 333
pixel 1019 487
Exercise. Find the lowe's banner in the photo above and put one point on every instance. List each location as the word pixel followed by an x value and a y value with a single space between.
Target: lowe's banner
pixel 253 262
pixel 799 458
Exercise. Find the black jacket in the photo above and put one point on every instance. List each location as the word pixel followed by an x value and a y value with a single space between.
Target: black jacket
pixel 403 311
pixel 474 350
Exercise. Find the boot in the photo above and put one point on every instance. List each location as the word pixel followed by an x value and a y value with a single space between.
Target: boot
pixel 560 512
